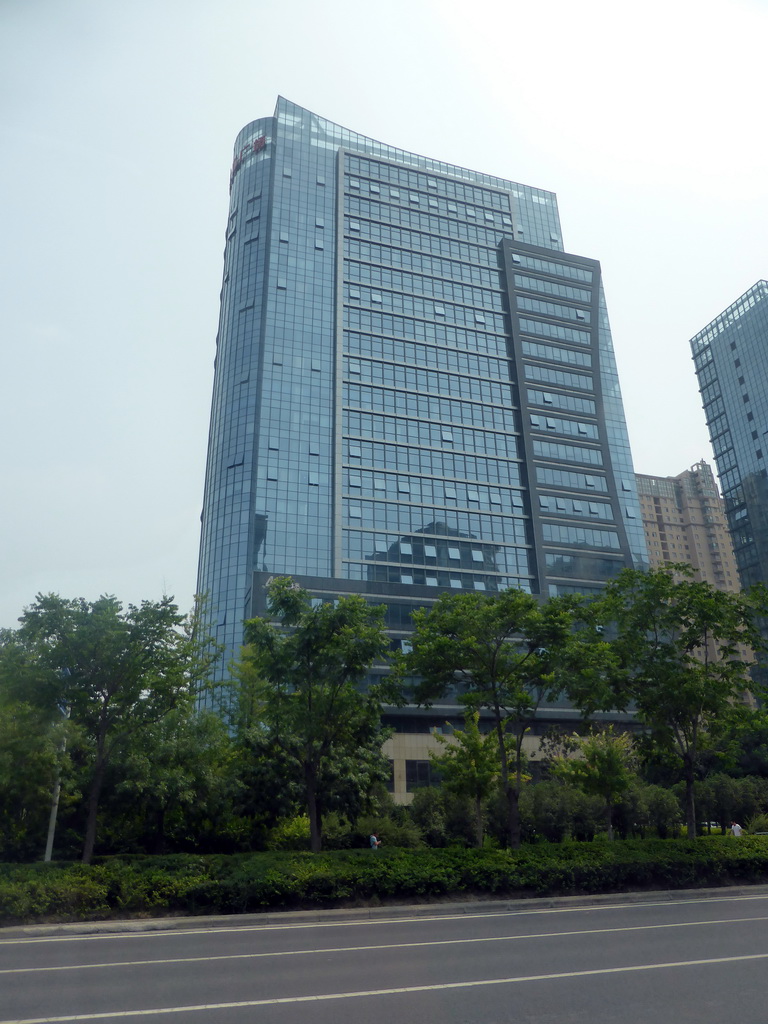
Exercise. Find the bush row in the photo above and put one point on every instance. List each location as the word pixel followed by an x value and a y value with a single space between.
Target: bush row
pixel 193 884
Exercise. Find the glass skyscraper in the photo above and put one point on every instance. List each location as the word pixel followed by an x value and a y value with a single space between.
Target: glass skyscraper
pixel 415 387
pixel 731 359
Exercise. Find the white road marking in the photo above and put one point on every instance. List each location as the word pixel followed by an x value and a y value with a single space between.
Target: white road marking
pixel 367 922
pixel 250 1003
pixel 377 948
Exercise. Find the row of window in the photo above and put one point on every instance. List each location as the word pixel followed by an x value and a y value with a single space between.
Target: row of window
pixel 414 305
pixel 434 266
pixel 414 431
pixel 419 549
pixel 367 223
pixel 404 518
pixel 562 426
pixel 419 284
pixel 544 329
pixel 396 175
pixel 573 357
pixel 550 267
pixel 369 547
pixel 476 389
pixel 427 490
pixel 564 291
pixel 548 375
pixel 567 452
pixel 427 407
pixel 556 400
pixel 588 567
pixel 551 504
pixel 429 462
pixel 485 255
pixel 556 309
pixel 571 480
pixel 354 188
pixel 426 577
pixel 421 354
pixel 391 325
pixel 580 537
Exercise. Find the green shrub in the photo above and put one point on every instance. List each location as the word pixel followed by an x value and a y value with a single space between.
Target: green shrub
pixel 338 833
pixel 404 835
pixel 246 883
pixel 290 834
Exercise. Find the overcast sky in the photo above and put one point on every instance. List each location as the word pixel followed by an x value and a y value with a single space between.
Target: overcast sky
pixel 118 122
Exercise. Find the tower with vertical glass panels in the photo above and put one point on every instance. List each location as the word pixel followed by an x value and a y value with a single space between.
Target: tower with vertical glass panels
pixel 415 389
pixel 731 359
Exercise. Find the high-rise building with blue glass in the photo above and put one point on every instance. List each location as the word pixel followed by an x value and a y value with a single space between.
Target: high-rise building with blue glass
pixel 731 359
pixel 415 387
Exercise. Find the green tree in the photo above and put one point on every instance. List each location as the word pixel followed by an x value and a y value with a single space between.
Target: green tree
pixel 603 766
pixel 30 738
pixel 117 671
pixel 677 641
pixel 305 670
pixel 742 743
pixel 173 776
pixel 508 653
pixel 469 766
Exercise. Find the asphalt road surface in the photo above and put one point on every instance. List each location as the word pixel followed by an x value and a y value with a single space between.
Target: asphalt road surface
pixel 693 958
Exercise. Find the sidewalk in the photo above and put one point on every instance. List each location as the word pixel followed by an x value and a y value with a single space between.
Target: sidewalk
pixel 287 918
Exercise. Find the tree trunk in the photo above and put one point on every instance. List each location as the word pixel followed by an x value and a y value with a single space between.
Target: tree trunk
pixel 690 803
pixel 315 834
pixel 609 818
pixel 513 816
pixel 93 809
pixel 478 822
pixel 510 794
pixel 158 844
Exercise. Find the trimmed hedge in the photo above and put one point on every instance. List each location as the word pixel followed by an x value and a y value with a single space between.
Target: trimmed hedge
pixel 246 883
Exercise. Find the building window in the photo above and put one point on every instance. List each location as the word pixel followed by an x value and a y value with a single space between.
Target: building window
pixel 419 774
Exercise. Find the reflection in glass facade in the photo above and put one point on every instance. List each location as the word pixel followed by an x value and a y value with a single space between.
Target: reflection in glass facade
pixel 415 387
pixel 731 360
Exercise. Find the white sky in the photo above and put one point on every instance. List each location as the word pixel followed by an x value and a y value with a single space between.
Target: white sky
pixel 118 122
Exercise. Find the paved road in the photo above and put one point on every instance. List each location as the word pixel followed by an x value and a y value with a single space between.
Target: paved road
pixel 695 958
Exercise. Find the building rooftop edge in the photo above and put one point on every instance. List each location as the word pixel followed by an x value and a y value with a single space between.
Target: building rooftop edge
pixel 418 159
pixel 734 312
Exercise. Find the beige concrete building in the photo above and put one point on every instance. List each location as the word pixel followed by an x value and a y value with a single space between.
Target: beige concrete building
pixel 684 521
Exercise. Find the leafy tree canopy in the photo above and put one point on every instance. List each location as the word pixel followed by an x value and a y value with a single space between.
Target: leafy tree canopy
pixel 680 646
pixel 305 665
pixel 115 671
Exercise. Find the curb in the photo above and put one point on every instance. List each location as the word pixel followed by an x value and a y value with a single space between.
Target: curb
pixel 295 918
